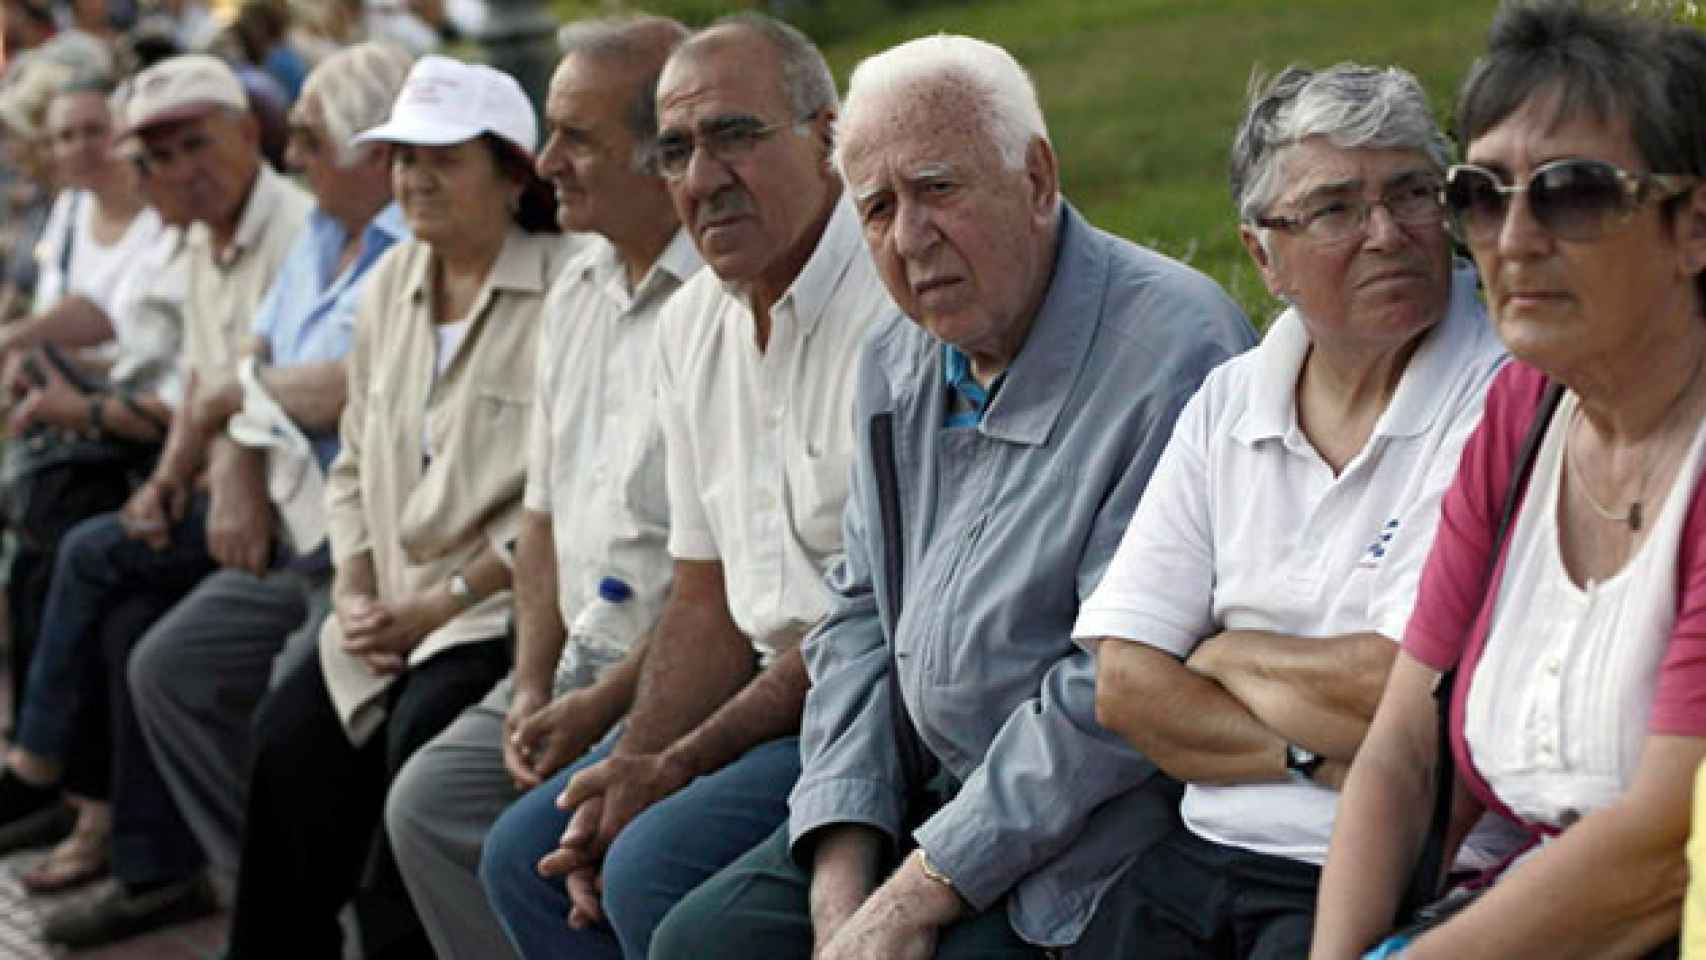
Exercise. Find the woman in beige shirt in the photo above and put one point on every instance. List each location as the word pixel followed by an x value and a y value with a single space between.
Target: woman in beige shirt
pixel 421 502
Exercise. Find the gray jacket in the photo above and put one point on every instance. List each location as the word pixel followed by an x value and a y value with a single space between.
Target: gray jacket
pixel 1002 530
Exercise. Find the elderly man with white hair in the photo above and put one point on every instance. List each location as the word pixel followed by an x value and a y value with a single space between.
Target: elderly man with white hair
pixel 958 797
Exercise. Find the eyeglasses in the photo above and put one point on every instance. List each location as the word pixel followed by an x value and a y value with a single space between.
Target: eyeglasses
pixel 726 138
pixel 1573 199
pixel 1412 201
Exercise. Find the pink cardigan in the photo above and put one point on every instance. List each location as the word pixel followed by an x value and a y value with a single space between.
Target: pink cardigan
pixel 1454 603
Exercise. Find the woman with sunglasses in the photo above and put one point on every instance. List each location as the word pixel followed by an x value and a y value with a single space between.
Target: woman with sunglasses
pixel 1577 629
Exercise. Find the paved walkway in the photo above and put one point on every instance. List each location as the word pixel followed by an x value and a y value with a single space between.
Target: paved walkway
pixel 21 913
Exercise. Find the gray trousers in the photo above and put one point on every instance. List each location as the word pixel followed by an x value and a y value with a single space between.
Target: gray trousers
pixel 438 811
pixel 197 677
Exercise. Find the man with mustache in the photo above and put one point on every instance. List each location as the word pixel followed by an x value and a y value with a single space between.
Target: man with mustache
pixel 958 798
pixel 756 378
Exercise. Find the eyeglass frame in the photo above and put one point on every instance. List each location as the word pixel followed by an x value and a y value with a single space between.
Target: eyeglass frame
pixel 1300 226
pixel 750 138
pixel 1637 189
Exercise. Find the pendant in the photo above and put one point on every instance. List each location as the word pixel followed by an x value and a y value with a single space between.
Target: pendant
pixel 1635 516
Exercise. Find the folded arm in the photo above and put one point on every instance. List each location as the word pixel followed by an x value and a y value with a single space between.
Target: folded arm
pixel 1317 692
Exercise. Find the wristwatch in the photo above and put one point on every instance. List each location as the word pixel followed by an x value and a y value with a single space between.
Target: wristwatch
pixel 1301 762
pixel 462 591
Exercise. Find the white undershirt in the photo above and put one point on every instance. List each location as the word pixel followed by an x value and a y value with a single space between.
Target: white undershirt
pixel 450 337
pixel 1560 701
pixel 96 271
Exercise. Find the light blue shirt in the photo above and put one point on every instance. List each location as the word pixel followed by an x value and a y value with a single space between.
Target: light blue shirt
pixel 308 315
pixel 1003 527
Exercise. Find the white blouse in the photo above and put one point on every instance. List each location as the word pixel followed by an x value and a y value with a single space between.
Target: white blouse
pixel 1560 701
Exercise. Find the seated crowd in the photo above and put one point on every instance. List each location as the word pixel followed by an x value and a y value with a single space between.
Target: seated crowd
pixel 736 519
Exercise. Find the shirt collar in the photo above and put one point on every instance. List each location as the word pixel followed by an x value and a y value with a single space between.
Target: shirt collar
pixel 1272 409
pixel 265 194
pixel 1039 382
pixel 1438 359
pixel 386 227
pixel 522 266
pixel 809 295
pixel 956 370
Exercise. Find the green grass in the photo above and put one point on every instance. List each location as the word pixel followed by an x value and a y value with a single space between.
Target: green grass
pixel 1141 95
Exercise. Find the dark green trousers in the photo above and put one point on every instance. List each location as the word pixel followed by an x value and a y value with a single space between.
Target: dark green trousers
pixel 759 906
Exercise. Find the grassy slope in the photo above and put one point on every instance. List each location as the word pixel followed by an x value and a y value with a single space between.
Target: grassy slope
pixel 1141 95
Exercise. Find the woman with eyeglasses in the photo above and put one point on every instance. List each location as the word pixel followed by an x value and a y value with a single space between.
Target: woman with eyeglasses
pixel 1245 625
pixel 1574 631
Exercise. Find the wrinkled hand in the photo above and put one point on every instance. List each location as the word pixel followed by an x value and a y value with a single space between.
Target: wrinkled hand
pixel 584 883
pixel 239 518
pixel 12 377
pixel 549 738
pixel 834 901
pixel 382 633
pixel 517 753
pixel 880 931
pixel 215 403
pixel 54 403
pixel 900 921
pixel 150 512
pixel 622 785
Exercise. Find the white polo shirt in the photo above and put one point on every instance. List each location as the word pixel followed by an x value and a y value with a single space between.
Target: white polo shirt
pixel 595 455
pixel 760 445
pixel 1244 526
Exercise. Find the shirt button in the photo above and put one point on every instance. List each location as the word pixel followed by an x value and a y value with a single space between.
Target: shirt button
pixel 1554 666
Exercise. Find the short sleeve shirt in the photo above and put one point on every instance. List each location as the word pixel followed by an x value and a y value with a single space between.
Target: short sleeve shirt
pixel 759 444
pixel 595 459
pixel 226 287
pixel 1244 526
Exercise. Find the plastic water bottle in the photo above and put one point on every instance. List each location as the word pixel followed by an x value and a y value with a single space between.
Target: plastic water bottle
pixel 601 635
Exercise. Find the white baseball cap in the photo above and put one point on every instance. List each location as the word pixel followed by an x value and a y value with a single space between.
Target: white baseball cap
pixel 446 101
pixel 182 87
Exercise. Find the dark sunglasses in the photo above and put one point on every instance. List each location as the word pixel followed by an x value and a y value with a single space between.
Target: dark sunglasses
pixel 1573 199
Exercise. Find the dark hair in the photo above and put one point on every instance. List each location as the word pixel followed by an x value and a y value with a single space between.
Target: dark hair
pixel 537 212
pixel 1603 63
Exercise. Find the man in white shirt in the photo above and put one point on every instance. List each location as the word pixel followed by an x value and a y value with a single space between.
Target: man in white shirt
pixel 595 503
pixel 756 363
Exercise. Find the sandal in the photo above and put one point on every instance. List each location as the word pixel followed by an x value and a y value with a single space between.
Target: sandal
pixel 78 859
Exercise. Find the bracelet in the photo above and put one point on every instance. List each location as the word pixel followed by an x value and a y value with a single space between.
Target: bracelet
pixel 97 425
pixel 931 873
pixel 128 398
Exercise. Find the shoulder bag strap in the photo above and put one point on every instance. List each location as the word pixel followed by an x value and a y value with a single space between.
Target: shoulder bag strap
pixel 1425 880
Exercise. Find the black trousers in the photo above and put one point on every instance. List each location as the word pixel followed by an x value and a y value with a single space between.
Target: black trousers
pixel 316 802
pixel 1197 900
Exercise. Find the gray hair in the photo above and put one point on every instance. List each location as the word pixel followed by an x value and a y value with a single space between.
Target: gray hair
pixel 356 87
pixel 806 80
pixel 998 88
pixel 627 40
pixel 1353 106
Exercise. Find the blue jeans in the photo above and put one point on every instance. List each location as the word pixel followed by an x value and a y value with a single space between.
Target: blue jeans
pixel 657 859
pixel 97 565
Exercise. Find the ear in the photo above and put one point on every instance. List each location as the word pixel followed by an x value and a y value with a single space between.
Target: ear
pixel 1688 228
pixel 1264 260
pixel 823 128
pixel 251 129
pixel 1042 179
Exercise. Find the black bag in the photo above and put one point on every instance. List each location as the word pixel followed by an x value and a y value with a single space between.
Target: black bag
pixel 54 479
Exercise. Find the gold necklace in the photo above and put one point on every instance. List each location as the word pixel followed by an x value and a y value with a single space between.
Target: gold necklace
pixel 1633 516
